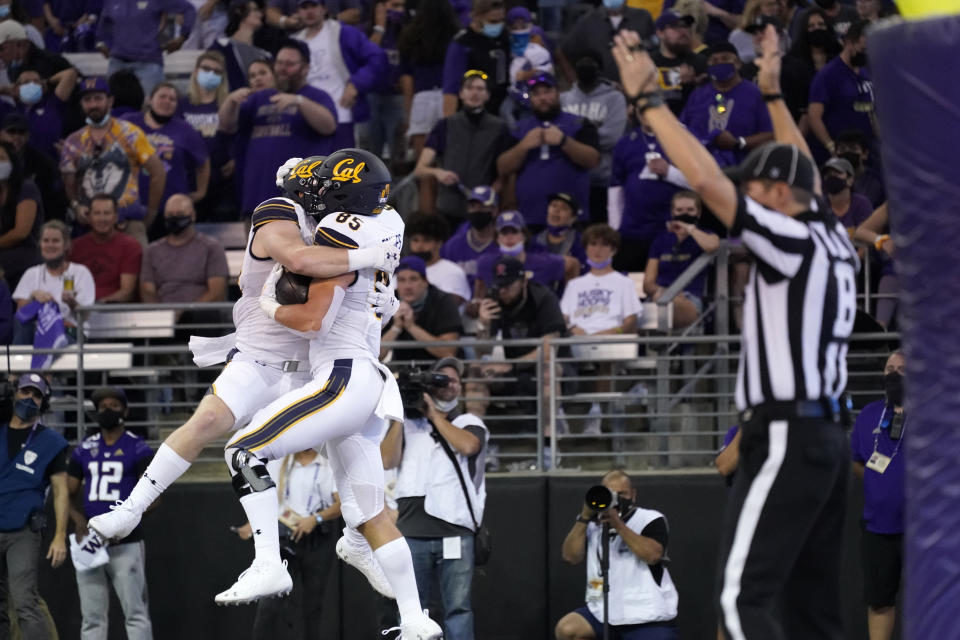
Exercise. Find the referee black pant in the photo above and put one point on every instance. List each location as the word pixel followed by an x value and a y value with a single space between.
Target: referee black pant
pixel 780 560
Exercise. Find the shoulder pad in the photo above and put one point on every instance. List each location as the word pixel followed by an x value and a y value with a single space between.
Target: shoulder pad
pixel 327 237
pixel 274 209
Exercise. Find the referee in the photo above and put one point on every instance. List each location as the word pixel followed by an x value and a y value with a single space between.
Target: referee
pixel 782 533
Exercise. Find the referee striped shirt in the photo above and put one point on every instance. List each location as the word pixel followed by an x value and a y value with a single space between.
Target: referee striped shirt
pixel 799 307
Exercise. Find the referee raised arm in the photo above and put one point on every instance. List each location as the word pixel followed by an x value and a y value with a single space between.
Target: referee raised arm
pixel 783 528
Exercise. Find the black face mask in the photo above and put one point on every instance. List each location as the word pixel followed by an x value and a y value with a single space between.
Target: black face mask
pixel 588 73
pixel 109 419
pixel 826 4
pixel 859 59
pixel 893 388
pixel 834 184
pixel 852 158
pixel 177 224
pixel 624 505
pixel 426 256
pixel 480 219
pixel 819 38
pixel 160 119
pixel 687 218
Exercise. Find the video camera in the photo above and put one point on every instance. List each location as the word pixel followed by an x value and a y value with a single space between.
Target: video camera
pixel 413 384
pixel 599 498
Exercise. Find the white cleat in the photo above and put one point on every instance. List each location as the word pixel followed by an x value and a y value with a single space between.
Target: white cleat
pixel 420 628
pixel 115 524
pixel 262 580
pixel 366 563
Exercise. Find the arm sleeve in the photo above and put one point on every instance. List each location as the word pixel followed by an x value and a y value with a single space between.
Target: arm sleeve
pixel 57 465
pixel 105 28
pixel 196 148
pixel 631 303
pixel 146 268
pixel 657 530
pixel 372 59
pixel 855 454
pixel 819 91
pixel 437 140
pixel 86 288
pixel 454 66
pixel 141 145
pixel 68 156
pixel 131 259
pixel 763 122
pixel 273 209
pixel 449 315
pixel 549 318
pixel 216 260
pixel 587 134
pixel 776 240
pixel 615 123
pixel 74 466
pixel 568 303
pixel 187 10
pixel 23 289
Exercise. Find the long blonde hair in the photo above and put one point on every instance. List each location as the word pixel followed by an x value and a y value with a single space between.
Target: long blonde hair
pixel 285 465
pixel 193 90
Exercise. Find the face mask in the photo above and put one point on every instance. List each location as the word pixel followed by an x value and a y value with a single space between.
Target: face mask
pixel 511 249
pixel 99 123
pixel 160 119
pixel 55 263
pixel 209 80
pixel 492 29
pixel 444 406
pixel 109 419
pixel 395 15
pixel 5 169
pixel 426 256
pixel 557 231
pixel 177 224
pixel 26 409
pixel 893 388
pixel 819 38
pixel 687 218
pixel 480 219
pixel 826 4
pixel 613 4
pixel 4 11
pixel 599 265
pixel 30 93
pixel 624 505
pixel 587 73
pixel 519 41
pixel 859 59
pixel 834 184
pixel 852 158
pixel 722 72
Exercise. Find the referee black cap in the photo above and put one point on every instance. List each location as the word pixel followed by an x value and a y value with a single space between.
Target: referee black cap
pixel 778 162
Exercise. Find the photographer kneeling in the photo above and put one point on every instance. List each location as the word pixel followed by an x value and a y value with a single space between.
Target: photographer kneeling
pixel 440 489
pixel 642 597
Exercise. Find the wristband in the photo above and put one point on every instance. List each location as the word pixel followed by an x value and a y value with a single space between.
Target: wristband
pixel 878 243
pixel 580 518
pixel 269 306
pixel 362 258
pixel 645 101
pixel 741 142
pixel 319 518
pixel 772 97
pixel 378 28
pixel 562 140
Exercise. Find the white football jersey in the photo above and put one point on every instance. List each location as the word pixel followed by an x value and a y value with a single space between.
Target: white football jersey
pixel 257 334
pixel 356 329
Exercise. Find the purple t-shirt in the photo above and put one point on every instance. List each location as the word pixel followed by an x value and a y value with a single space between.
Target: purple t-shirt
pixel 545 268
pixel 205 119
pixel 860 209
pixel 458 248
pixel 109 472
pixel 425 76
pixel 646 201
pixel 740 110
pixel 180 148
pixel 847 98
pixel 674 258
pixel 883 493
pixel 538 177
pixel 46 123
pixel 274 137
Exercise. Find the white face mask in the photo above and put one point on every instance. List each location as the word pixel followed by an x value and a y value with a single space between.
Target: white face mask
pixel 445 406
pixel 511 249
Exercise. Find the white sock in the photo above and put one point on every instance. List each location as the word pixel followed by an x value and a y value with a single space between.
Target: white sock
pixel 262 511
pixel 397 564
pixel 355 538
pixel 163 470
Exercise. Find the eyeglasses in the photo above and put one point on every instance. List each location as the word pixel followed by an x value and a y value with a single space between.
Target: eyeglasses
pixel 475 73
pixel 211 69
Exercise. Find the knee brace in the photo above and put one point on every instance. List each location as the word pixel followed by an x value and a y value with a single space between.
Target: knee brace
pixel 249 473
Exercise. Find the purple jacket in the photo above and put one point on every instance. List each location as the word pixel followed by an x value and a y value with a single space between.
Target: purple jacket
pixel 367 64
pixel 129 27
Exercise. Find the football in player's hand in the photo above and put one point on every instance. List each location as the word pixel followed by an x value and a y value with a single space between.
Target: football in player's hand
pixel 292 288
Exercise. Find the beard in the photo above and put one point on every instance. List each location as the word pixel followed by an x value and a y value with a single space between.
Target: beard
pixel 548 112
pixel 96 114
pixel 285 84
pixel 678 48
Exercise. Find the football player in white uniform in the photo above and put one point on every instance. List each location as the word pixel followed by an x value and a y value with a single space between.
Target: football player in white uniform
pixel 264 359
pixel 344 406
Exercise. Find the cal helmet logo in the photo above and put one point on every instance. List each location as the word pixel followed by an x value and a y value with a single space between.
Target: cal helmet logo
pixel 305 169
pixel 30 457
pixel 343 172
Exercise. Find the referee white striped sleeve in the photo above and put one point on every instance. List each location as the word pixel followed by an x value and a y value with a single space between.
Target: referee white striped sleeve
pixel 775 239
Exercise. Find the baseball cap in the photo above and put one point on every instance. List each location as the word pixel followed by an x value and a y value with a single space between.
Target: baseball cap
pixel 300 3
pixel 519 13
pixel 412 263
pixel 720 47
pixel 565 197
pixel 511 219
pixel 11 30
pixel 456 363
pixel 108 392
pixel 507 270
pixel 760 23
pixel 669 19
pixel 484 195
pixel 34 380
pixel 93 84
pixel 778 162
pixel 542 78
pixel 15 121
pixel 839 164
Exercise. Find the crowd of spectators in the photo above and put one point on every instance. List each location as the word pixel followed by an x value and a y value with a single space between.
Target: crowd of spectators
pixel 508 116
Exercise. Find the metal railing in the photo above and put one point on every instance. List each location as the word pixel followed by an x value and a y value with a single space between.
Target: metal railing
pixel 659 401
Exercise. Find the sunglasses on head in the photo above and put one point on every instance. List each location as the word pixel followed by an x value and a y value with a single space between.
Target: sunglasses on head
pixel 475 73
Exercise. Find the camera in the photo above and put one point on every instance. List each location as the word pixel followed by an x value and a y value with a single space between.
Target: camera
pixel 413 384
pixel 599 498
pixel 493 293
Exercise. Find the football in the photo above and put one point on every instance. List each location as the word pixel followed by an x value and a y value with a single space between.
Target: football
pixel 292 288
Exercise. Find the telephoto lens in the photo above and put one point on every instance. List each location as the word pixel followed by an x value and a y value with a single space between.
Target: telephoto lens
pixel 599 498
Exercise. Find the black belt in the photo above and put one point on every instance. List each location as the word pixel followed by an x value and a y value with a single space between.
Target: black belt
pixel 832 409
